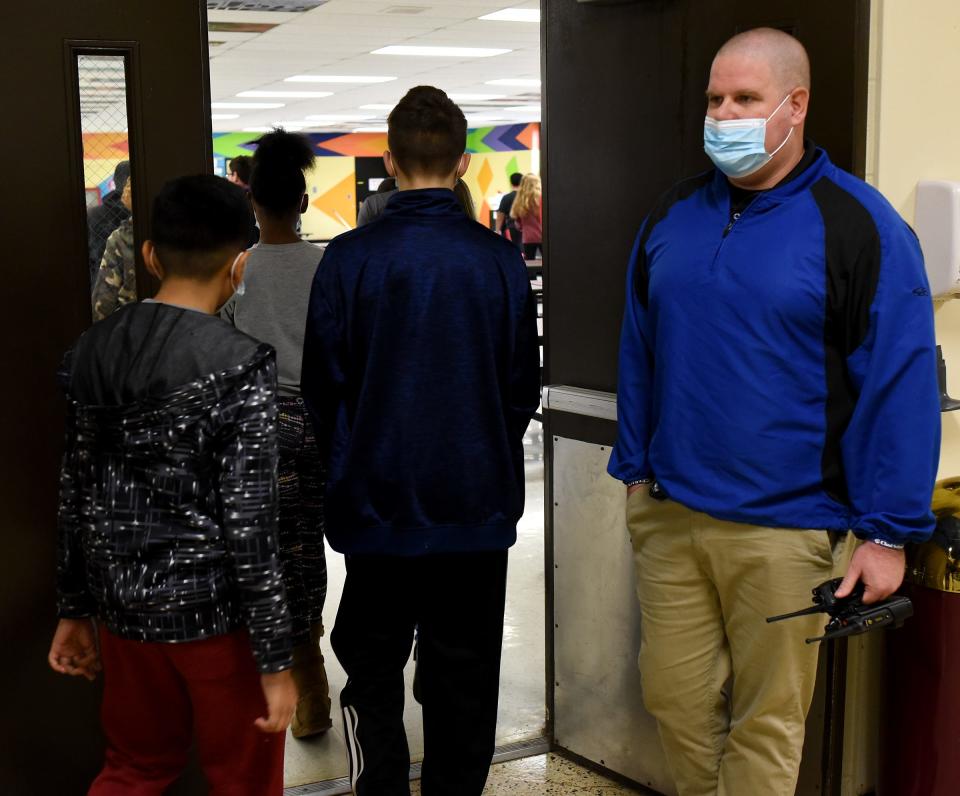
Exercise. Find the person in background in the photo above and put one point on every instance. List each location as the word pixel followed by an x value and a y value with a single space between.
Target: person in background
pixel 116 282
pixel 373 206
pixel 777 403
pixel 239 170
pixel 506 226
pixel 462 191
pixel 167 522
pixel 419 323
pixel 527 213
pixel 273 308
pixel 105 218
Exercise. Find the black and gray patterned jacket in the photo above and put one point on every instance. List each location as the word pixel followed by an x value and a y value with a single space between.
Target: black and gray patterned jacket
pixel 168 497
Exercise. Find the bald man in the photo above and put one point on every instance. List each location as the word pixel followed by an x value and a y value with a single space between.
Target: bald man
pixel 777 403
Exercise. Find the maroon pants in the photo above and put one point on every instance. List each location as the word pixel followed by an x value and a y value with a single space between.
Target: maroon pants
pixel 158 697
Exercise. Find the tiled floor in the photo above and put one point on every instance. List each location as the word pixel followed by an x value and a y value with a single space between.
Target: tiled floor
pixel 546 775
pixel 522 713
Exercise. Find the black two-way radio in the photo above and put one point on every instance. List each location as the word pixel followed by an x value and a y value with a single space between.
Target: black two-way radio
pixel 848 615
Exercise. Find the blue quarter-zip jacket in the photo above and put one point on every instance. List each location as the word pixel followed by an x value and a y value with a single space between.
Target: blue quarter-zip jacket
pixel 780 369
pixel 421 369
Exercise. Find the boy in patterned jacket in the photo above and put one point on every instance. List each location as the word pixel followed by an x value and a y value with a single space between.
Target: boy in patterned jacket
pixel 167 518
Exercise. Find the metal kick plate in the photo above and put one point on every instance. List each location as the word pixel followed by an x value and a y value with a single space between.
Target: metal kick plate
pixel 598 706
pixel 591 403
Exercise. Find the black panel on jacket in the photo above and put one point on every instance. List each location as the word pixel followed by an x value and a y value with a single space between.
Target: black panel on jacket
pixel 677 193
pixel 852 245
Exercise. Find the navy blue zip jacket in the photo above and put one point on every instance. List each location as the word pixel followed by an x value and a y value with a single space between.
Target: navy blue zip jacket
pixel 780 369
pixel 421 370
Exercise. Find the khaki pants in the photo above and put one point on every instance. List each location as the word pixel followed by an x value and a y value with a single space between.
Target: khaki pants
pixel 706 587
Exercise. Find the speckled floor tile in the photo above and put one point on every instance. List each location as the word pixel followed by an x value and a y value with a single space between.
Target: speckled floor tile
pixel 546 775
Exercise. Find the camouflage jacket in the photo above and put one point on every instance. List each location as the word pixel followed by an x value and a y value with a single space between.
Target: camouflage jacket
pixel 116 283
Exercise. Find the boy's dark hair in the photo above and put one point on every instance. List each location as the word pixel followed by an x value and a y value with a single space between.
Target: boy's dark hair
pixel 197 222
pixel 242 166
pixel 388 184
pixel 277 183
pixel 515 179
pixel 426 132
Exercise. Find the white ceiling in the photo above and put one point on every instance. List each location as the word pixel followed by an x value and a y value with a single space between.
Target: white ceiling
pixel 337 38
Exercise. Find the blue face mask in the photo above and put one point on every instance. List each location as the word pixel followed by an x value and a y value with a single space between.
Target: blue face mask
pixel 737 146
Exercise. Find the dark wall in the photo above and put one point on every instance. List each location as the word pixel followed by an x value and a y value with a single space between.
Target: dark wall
pixel 623 120
pixel 49 739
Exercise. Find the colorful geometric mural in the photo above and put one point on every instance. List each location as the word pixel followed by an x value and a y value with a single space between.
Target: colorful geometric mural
pixel 332 192
pixel 506 138
pixel 97 145
pixel 101 153
pixel 509 138
pixel 496 153
pixel 489 177
pixel 354 145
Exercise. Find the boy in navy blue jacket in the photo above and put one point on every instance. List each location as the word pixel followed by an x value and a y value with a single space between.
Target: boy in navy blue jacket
pixel 421 368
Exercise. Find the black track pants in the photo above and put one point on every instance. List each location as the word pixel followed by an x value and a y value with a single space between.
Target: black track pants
pixel 457 600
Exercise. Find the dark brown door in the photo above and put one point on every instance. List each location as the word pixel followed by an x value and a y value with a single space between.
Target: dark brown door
pixel 50 739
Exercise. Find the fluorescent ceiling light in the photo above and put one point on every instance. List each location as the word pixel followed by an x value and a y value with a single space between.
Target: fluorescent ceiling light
pixel 340 117
pixel 339 79
pixel 440 52
pixel 521 108
pixel 286 94
pixel 258 129
pixel 222 117
pixel 370 129
pixel 514 15
pixel 246 105
pixel 377 107
pixel 474 97
pixel 515 81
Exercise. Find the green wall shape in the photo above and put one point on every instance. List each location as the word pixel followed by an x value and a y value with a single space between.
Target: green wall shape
pixel 512 167
pixel 475 142
pixel 230 145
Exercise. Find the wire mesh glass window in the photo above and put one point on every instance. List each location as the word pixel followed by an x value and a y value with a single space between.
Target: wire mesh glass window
pixel 102 82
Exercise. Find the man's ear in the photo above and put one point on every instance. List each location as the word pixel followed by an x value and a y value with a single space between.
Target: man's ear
pixel 150 259
pixel 304 204
pixel 463 165
pixel 389 164
pixel 798 103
